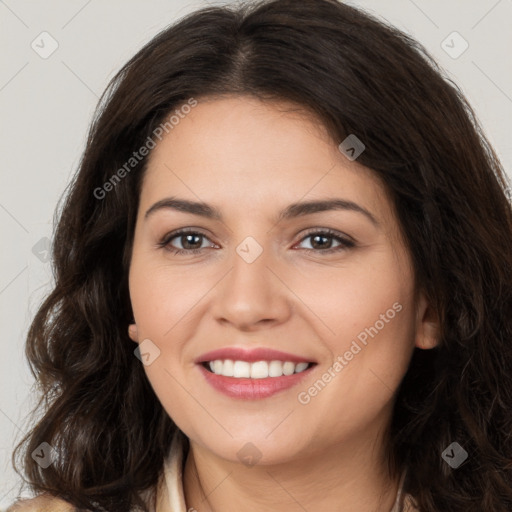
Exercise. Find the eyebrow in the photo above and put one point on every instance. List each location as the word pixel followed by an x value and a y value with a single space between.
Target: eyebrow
pixel 291 211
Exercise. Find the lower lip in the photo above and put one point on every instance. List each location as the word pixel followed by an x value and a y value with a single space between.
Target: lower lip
pixel 252 389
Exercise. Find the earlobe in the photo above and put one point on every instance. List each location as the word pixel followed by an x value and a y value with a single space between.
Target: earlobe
pixel 132 332
pixel 427 327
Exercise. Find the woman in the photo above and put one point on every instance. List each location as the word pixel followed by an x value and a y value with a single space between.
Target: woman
pixel 283 281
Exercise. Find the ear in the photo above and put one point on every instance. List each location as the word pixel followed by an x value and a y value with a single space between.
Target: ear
pixel 132 332
pixel 427 325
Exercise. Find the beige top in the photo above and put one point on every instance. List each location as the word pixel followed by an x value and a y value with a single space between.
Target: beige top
pixel 170 493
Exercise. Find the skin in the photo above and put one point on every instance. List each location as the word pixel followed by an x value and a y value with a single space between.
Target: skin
pixel 251 159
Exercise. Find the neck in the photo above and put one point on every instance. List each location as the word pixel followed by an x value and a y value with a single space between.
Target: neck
pixel 348 476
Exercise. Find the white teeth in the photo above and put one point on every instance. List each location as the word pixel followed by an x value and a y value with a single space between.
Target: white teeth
pixel 256 370
pixel 217 366
pixel 240 369
pixel 275 369
pixel 288 368
pixel 228 368
pixel 300 367
pixel 259 370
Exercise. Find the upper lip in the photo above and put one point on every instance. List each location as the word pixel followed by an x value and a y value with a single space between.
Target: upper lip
pixel 250 355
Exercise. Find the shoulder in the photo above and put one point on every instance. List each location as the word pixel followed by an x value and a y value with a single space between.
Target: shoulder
pixel 41 504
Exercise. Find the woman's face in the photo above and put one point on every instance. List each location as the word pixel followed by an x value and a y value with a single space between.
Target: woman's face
pixel 266 275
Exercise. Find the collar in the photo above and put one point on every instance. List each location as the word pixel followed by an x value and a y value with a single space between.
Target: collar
pixel 170 495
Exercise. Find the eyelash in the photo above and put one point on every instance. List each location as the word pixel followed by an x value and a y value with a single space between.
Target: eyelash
pixel 328 233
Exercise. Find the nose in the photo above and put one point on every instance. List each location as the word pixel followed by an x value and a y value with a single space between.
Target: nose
pixel 252 295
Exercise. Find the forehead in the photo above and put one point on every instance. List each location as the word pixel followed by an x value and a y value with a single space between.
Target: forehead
pixel 240 151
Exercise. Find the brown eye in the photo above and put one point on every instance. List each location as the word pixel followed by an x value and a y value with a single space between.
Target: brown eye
pixel 191 242
pixel 322 241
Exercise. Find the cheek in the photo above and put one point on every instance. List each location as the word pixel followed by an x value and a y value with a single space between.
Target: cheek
pixel 370 349
pixel 160 298
pixel 161 303
pixel 370 315
pixel 369 293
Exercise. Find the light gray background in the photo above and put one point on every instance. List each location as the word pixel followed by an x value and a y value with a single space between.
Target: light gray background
pixel 46 106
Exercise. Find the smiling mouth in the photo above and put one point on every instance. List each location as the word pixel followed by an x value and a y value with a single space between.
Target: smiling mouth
pixel 255 370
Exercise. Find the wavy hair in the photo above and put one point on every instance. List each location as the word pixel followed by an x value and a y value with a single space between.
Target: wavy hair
pixel 358 75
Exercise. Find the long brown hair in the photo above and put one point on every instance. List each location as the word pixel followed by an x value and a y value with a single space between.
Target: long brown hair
pixel 359 76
